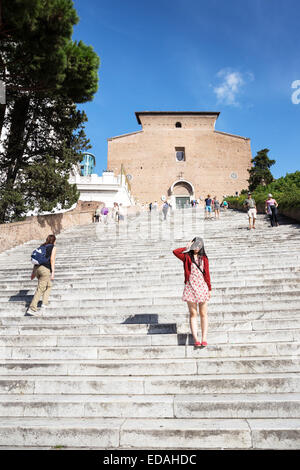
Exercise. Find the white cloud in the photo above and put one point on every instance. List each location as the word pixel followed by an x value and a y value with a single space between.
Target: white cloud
pixel 231 85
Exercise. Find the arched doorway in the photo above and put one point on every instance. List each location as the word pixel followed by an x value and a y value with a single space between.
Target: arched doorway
pixel 181 192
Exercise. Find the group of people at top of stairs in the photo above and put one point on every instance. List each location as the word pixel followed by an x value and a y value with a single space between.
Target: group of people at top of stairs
pixel 210 206
pixel 104 214
pixel 213 205
pixel 270 209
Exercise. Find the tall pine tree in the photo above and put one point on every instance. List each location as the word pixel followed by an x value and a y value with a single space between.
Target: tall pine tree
pixel 46 74
pixel 260 172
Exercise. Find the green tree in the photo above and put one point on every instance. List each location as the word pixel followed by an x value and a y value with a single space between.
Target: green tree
pixel 46 74
pixel 260 172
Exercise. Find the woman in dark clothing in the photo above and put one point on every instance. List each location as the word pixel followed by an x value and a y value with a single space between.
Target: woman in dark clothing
pixel 271 209
pixel 197 290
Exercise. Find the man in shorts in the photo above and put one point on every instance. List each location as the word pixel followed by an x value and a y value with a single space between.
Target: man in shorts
pixel 250 204
pixel 207 207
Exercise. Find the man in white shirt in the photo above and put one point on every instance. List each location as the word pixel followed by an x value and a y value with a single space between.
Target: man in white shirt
pixel 250 204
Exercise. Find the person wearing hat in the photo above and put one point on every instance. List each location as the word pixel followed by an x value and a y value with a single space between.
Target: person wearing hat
pixel 271 209
pixel 251 206
pixel 197 289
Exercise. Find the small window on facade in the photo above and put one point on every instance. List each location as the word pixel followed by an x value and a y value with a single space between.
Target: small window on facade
pixel 180 154
pixel 178 124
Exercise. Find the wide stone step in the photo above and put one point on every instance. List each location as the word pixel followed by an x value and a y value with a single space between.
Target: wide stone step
pixel 150 262
pixel 115 433
pixel 153 268
pixel 157 406
pixel 177 276
pixel 273 349
pixel 163 252
pixel 144 367
pixel 223 293
pixel 55 317
pixel 67 330
pixel 147 328
pixel 128 339
pixel 163 304
pixel 264 383
pixel 281 282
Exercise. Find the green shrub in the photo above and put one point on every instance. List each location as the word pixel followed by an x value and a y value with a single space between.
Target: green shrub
pixel 286 191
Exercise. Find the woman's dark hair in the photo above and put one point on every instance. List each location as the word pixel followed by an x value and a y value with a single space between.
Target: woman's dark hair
pixel 50 240
pixel 201 253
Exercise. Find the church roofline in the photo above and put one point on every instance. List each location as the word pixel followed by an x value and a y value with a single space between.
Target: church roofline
pixel 232 135
pixel 124 135
pixel 174 113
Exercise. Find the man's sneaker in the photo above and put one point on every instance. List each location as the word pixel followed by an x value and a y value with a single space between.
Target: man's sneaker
pixel 43 307
pixel 30 313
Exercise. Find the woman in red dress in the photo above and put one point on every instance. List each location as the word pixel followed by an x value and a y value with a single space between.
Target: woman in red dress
pixel 197 290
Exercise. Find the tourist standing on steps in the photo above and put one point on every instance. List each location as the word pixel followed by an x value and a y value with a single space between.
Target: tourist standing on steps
pixel 208 208
pixel 97 214
pixel 45 274
pixel 217 207
pixel 251 206
pixel 225 205
pixel 271 209
pixel 121 213
pixel 165 209
pixel 104 214
pixel 197 290
pixel 115 212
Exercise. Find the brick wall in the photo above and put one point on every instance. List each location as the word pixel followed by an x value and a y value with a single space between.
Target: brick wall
pixel 211 157
pixel 38 227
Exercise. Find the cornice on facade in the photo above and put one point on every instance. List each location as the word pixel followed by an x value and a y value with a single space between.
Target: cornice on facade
pixel 175 113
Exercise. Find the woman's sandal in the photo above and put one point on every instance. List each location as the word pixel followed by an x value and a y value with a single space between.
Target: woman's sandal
pixel 197 344
pixel 204 343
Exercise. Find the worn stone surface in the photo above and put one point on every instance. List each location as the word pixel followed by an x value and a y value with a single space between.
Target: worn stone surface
pixel 111 364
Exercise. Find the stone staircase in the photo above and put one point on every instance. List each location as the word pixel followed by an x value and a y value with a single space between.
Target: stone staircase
pixel 111 365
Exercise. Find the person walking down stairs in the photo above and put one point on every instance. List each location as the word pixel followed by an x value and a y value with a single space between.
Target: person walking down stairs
pixel 44 260
pixel 197 290
pixel 251 207
pixel 271 209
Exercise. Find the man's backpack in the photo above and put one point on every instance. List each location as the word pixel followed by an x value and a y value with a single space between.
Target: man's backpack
pixel 39 255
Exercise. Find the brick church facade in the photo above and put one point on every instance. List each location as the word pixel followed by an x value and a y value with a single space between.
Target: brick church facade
pixel 180 156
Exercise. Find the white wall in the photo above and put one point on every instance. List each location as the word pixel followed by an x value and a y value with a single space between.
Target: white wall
pixel 106 188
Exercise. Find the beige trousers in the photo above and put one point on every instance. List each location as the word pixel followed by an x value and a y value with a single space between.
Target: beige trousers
pixel 44 287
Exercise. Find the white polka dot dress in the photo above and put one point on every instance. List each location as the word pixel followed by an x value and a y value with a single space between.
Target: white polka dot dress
pixel 196 289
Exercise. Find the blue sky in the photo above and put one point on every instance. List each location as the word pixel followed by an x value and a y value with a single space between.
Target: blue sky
pixel 239 57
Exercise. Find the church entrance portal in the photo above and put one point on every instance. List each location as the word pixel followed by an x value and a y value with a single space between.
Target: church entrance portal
pixel 182 192
pixel 182 202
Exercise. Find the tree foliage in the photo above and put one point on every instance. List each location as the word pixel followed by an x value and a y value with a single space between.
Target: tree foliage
pixel 286 191
pixel 260 172
pixel 46 74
